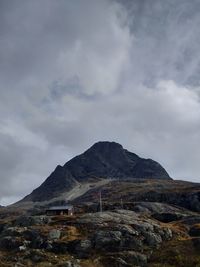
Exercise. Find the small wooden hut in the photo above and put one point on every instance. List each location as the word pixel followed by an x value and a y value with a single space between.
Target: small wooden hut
pixel 60 210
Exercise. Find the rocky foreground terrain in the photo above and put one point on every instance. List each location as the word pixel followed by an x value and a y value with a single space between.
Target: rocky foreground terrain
pixel 144 223
pixel 151 234
pixel 148 219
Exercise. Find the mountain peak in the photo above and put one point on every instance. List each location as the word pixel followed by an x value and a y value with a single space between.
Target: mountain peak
pixel 104 144
pixel 102 160
pixel 105 147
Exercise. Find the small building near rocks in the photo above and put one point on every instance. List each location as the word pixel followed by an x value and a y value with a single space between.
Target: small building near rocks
pixel 60 210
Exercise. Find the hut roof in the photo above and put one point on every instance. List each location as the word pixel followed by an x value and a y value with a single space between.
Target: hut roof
pixel 65 207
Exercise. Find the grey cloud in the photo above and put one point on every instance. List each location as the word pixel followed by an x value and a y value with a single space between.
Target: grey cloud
pixel 43 41
pixel 75 72
pixel 20 164
pixel 166 40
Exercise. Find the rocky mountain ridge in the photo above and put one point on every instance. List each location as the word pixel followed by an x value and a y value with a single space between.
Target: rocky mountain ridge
pixel 103 160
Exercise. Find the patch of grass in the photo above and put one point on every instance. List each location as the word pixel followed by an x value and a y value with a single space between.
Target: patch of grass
pixel 71 233
pixel 90 263
pixel 176 253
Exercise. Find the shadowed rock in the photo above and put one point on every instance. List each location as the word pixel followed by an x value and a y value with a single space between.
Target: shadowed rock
pixel 102 160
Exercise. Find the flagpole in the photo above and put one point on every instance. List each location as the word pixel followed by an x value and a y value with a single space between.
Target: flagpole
pixel 122 203
pixel 100 201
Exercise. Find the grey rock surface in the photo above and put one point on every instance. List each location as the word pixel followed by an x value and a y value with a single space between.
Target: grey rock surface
pixel 107 240
pixel 124 230
pixel 154 207
pixel 54 234
pixel 83 248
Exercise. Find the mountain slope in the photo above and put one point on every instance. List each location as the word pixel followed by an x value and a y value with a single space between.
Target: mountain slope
pixel 102 160
pixel 109 159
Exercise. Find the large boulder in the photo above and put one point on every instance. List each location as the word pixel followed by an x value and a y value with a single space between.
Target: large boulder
pixel 165 233
pixel 59 247
pixel 37 240
pixel 195 230
pixel 107 240
pixel 152 239
pixel 83 248
pixel 54 234
pixel 10 243
pixel 168 217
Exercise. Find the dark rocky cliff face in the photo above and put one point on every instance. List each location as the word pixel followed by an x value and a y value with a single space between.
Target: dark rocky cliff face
pixel 102 160
pixel 58 182
pixel 109 159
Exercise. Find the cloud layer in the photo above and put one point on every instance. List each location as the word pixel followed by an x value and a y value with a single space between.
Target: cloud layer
pixel 76 72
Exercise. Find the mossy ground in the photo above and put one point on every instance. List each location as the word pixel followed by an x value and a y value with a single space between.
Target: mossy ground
pixel 176 253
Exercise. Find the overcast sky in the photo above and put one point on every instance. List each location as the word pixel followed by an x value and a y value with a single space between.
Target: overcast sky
pixel 79 71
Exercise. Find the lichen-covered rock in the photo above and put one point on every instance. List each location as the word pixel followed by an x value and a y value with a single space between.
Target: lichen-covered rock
pixel 155 208
pixel 126 230
pixel 165 233
pixel 143 226
pixel 118 216
pixel 123 230
pixel 54 234
pixel 152 239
